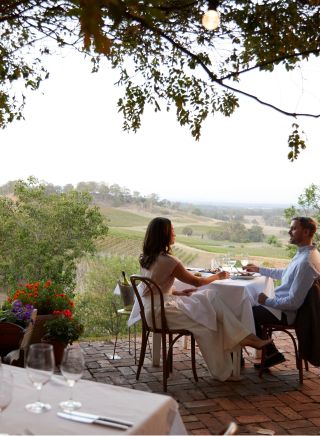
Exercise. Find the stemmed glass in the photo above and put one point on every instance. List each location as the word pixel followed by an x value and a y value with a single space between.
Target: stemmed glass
pixel 72 367
pixel 40 366
pixel 6 388
pixel 232 262
pixel 244 260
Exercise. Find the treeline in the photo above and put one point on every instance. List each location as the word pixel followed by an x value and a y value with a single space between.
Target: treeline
pixel 116 195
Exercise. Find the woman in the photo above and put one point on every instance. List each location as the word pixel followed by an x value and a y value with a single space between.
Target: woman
pixel 219 331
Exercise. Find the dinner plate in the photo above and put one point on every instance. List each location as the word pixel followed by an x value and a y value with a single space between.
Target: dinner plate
pixel 240 277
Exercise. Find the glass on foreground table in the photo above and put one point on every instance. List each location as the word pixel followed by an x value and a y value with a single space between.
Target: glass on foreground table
pixel 72 367
pixel 40 366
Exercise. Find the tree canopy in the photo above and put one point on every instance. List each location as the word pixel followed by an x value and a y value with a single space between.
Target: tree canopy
pixel 164 56
pixel 43 235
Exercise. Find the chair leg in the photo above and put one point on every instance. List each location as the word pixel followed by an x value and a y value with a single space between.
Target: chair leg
pixel 170 355
pixel 115 346
pixel 135 343
pixel 306 365
pixel 129 331
pixel 144 341
pixel 265 334
pixel 300 368
pixel 164 362
pixel 193 358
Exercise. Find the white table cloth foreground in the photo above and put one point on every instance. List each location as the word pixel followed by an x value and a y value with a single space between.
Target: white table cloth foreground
pixel 150 413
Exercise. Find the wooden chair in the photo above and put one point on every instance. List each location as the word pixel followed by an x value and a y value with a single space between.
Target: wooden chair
pixel 11 336
pixel 306 340
pixel 159 325
pixel 267 330
pixel 16 356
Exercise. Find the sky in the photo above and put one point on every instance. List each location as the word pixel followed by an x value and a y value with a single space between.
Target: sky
pixel 72 132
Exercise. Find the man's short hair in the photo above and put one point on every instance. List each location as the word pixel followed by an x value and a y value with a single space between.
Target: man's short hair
pixel 307 223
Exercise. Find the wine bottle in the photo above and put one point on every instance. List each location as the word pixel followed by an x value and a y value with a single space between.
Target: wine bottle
pixel 124 279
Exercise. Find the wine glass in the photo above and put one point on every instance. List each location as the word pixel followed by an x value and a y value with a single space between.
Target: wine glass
pixel 214 265
pixel 40 366
pixel 244 260
pixel 72 367
pixel 232 262
pixel 6 388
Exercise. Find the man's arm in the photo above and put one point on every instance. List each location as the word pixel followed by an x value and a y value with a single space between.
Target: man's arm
pixel 302 282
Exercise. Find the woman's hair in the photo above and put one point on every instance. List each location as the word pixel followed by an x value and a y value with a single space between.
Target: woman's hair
pixel 156 241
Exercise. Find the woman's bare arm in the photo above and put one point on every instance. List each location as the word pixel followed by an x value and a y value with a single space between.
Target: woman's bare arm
pixel 186 277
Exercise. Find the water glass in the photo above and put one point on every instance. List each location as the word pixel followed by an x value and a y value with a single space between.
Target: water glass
pixel 40 367
pixel 72 367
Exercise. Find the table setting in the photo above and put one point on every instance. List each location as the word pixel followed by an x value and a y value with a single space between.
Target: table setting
pixel 65 404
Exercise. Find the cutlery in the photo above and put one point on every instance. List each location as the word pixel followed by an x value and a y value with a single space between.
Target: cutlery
pixel 88 418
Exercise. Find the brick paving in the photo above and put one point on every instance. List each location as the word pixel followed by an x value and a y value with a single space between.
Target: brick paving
pixel 275 404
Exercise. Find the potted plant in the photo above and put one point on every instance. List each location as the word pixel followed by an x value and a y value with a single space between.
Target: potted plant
pixel 17 313
pixel 62 331
pixel 49 300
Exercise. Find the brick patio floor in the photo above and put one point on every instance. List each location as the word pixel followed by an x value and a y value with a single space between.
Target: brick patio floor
pixel 276 404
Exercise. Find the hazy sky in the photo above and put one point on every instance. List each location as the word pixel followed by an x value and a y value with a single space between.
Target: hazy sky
pixel 72 132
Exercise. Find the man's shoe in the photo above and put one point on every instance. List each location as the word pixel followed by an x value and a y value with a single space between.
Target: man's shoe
pixel 273 360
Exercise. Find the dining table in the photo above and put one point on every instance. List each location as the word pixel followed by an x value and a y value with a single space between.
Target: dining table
pixel 239 293
pixel 147 413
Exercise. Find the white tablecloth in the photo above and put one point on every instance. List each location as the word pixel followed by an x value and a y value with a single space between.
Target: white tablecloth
pixel 239 295
pixel 150 413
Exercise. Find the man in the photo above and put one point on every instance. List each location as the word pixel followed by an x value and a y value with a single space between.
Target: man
pixel 296 280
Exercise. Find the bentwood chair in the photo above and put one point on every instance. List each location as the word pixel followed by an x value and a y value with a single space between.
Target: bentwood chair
pixel 159 325
pixel 11 336
pixel 16 356
pixel 304 333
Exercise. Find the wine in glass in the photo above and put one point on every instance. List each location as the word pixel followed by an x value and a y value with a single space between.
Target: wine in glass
pixel 40 366
pixel 72 367
pixel 6 388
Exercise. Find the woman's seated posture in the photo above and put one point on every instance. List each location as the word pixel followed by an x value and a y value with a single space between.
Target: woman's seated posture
pixel 218 331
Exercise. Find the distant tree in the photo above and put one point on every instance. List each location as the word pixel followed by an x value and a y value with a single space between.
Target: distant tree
pixel 255 234
pixel 43 235
pixel 196 211
pixel 308 205
pixel 273 240
pixel 187 231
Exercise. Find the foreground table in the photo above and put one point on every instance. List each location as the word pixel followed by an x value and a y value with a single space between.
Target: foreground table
pixel 150 413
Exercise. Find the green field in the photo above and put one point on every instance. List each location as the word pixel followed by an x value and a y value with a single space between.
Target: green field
pixel 121 218
pixel 127 229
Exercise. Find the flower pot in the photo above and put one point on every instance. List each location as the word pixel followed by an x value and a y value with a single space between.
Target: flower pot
pixel 58 349
pixel 39 329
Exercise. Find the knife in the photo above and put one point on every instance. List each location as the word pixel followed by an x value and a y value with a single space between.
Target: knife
pixel 102 418
pixel 96 420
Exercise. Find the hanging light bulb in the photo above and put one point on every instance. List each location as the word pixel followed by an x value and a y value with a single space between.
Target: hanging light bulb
pixel 211 19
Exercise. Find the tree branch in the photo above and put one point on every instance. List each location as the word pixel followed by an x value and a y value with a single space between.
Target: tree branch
pixel 212 76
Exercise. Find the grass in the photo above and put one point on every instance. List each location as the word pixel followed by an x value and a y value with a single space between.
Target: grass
pixel 121 218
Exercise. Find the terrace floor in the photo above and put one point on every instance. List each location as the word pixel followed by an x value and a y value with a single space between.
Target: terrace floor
pixel 276 404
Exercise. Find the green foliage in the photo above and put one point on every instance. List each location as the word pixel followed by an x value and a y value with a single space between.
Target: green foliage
pixel 163 55
pixel 63 329
pixel 187 231
pixel 273 240
pixel 95 301
pixel 295 142
pixel 43 235
pixel 308 205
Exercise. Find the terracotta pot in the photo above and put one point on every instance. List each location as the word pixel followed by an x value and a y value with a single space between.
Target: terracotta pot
pixel 39 330
pixel 58 349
